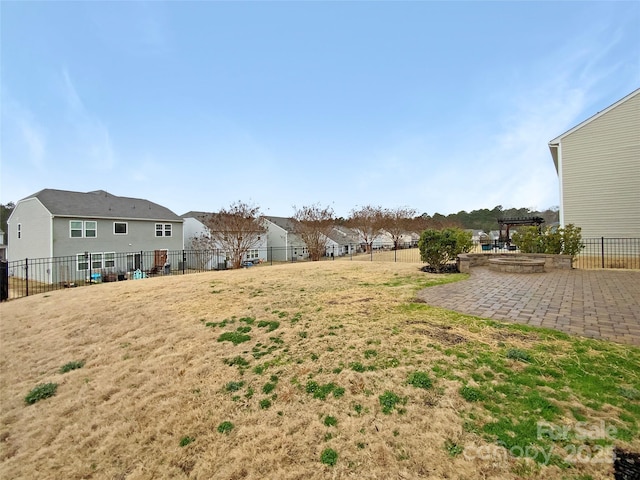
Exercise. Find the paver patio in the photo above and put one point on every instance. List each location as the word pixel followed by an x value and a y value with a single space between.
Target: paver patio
pixel 602 304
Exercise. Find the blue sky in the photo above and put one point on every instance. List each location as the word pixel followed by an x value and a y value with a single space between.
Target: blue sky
pixel 438 106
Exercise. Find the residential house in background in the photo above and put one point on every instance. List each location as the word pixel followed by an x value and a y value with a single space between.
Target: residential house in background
pixel 3 246
pixel 598 165
pixel 342 241
pixel 284 244
pixel 210 258
pixel 91 228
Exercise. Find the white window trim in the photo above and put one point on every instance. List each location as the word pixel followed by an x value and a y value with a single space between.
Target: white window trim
pixel 81 259
pixel 112 260
pixel 93 260
pixel 83 228
pixel 126 227
pixel 162 229
pixel 71 229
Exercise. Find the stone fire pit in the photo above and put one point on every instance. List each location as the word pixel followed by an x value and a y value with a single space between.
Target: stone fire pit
pixel 516 265
pixel 514 262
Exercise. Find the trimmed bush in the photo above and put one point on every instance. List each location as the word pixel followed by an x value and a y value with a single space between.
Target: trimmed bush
pixel 439 247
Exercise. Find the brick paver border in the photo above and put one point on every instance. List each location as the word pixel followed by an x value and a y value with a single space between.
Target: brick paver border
pixel 603 304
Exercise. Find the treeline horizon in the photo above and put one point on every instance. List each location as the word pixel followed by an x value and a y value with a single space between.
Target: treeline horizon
pixel 482 219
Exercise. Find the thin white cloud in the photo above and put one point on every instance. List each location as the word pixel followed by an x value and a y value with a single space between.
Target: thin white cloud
pixel 24 140
pixel 34 141
pixel 90 138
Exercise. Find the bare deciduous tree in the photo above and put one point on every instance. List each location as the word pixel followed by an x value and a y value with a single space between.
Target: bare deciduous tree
pixel 236 230
pixel 397 222
pixel 313 226
pixel 368 223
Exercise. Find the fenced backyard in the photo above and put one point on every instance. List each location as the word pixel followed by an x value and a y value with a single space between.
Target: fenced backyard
pixel 26 277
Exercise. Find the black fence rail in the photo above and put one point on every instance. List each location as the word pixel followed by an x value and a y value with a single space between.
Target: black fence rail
pixel 31 276
pixel 609 253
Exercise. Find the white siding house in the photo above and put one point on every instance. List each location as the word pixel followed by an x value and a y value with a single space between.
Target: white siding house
pixel 59 223
pixel 194 228
pixel 284 244
pixel 598 165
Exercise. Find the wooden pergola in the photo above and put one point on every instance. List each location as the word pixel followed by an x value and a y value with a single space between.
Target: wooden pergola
pixel 514 222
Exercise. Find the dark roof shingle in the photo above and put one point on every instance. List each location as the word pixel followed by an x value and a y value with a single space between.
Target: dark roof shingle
pixel 101 204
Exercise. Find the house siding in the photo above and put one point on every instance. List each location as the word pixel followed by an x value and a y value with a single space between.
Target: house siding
pixel 35 222
pixel 140 237
pixel 600 165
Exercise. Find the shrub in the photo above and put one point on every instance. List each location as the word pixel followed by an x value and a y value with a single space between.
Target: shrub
pixel 40 392
pixel 565 241
pixel 439 247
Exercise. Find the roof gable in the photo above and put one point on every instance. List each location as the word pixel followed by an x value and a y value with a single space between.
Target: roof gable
pixel 594 117
pixel 101 204
pixel 287 224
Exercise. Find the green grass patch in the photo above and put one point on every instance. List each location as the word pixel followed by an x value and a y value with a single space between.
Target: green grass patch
pixel 236 361
pixel 322 391
pixel 234 386
pixel 389 401
pixel 184 441
pixel 40 392
pixel 267 388
pixel 269 325
pixel 517 354
pixel 329 457
pixel 67 367
pixel 225 427
pixel 234 337
pixel 471 394
pixel 420 380
pixel 330 421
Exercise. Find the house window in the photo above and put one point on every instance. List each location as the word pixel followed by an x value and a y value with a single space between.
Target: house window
pixel 96 260
pixel 82 261
pixel 76 228
pixel 109 260
pixel 80 229
pixel 251 254
pixel 163 230
pixel 19 230
pixel 90 229
pixel 119 228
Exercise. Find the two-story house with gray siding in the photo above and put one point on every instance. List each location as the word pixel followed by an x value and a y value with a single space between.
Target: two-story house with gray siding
pixel 99 228
pixel 598 165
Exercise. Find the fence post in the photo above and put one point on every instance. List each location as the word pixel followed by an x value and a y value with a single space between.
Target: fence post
pixel 395 254
pixel 602 250
pixel 26 274
pixel 4 280
pixel 184 260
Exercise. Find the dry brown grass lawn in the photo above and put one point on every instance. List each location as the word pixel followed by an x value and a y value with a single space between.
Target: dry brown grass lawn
pixel 156 374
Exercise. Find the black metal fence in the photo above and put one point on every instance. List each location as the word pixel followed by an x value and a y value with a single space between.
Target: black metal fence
pixel 609 253
pixel 31 276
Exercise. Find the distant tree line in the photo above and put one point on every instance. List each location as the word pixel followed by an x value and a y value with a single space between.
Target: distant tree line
pixel 486 220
